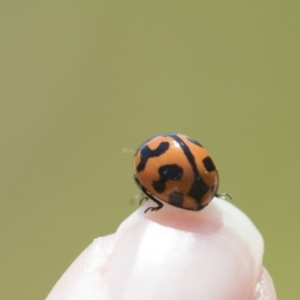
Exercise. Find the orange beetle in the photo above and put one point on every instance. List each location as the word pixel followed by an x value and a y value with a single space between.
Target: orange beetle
pixel 176 169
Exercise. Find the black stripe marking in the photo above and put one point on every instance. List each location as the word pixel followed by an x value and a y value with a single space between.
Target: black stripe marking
pixel 199 187
pixel 194 141
pixel 147 153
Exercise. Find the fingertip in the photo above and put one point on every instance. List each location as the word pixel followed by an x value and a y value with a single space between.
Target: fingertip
pixel 212 254
pixel 190 253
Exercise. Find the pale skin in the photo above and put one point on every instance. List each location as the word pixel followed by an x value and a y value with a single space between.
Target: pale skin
pixel 173 254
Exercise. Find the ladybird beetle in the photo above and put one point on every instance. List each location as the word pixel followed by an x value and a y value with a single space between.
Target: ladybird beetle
pixel 176 169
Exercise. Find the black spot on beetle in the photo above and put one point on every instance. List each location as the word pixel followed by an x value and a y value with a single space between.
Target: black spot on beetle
pixel 170 172
pixel 198 190
pixel 159 185
pixel 167 172
pixel 208 164
pixel 176 199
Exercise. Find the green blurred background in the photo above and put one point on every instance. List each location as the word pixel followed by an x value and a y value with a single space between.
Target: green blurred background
pixel 81 80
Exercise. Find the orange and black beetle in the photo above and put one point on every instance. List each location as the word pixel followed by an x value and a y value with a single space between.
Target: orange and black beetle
pixel 176 169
